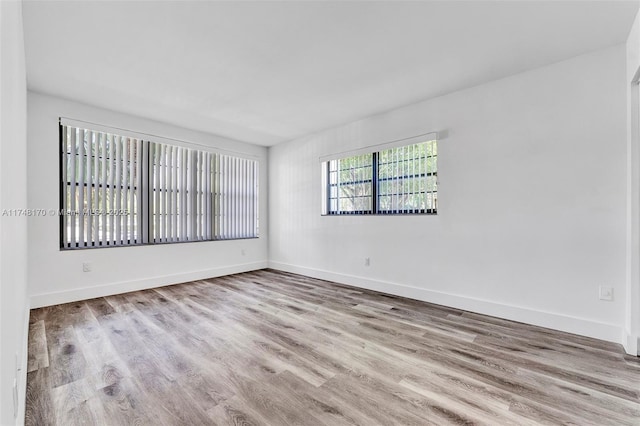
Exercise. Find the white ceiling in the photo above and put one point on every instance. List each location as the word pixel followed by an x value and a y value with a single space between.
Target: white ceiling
pixel 266 72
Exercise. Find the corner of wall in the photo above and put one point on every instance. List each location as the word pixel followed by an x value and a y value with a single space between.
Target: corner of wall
pixel 14 307
pixel 631 332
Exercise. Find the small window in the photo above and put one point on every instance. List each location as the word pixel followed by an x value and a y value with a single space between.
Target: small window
pixel 398 180
pixel 350 185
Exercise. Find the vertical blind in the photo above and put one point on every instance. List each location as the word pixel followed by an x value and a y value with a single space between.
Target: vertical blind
pixel 101 188
pixel 118 190
pixel 407 179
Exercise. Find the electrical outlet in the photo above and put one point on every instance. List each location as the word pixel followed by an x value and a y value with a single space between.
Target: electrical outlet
pixel 367 261
pixel 243 252
pixel 606 293
pixel 86 267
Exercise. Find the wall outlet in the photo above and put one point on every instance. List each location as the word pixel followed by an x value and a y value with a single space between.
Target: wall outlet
pixel 606 293
pixel 243 252
pixel 86 267
pixel 367 261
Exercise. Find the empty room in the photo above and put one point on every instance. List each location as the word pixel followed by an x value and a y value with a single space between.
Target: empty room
pixel 319 212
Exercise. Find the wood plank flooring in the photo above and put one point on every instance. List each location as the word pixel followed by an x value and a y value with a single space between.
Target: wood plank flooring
pixel 272 348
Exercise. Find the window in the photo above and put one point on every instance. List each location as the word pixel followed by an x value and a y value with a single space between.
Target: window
pixel 398 180
pixel 350 184
pixel 118 190
pixel 407 179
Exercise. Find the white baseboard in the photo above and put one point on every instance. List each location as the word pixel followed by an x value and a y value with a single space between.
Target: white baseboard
pixel 631 343
pixel 83 293
pixel 23 361
pixel 567 323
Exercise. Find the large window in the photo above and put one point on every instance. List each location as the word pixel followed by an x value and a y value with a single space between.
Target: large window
pixel 398 180
pixel 118 190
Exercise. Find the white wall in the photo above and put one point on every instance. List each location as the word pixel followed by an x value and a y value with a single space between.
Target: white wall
pixel 14 308
pixel 632 308
pixel 531 204
pixel 56 276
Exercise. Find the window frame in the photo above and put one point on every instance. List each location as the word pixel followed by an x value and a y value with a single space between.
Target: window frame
pixel 376 180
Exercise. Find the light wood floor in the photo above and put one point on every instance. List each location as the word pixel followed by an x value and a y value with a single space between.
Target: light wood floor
pixel 273 348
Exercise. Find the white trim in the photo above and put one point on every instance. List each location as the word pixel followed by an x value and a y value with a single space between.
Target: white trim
pixel 566 323
pixel 83 293
pixel 432 136
pixel 631 343
pixel 22 375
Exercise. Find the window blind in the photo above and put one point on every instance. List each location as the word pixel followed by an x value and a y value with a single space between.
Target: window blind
pixel 101 188
pixel 407 179
pixel 120 190
pixel 236 197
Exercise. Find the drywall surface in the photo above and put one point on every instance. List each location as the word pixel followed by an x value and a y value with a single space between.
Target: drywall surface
pixel 631 331
pixel 14 307
pixel 532 200
pixel 57 276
